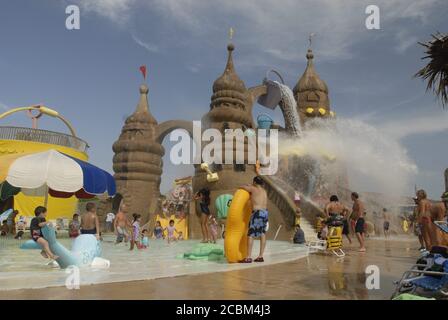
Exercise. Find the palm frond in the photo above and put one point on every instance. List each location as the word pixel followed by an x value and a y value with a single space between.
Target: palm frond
pixel 436 71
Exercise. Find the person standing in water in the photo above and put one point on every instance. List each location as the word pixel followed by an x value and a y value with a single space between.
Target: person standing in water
pixel 424 216
pixel 438 213
pixel 333 209
pixel 89 221
pixel 135 239
pixel 121 224
pixel 418 225
pixel 259 218
pixel 358 215
pixel 204 196
pixel 386 223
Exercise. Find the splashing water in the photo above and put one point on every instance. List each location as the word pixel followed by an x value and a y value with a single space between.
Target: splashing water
pixel 374 161
pixel 289 110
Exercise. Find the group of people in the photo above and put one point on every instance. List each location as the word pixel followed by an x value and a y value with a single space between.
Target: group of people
pixel 138 234
pixel 10 226
pixel 336 214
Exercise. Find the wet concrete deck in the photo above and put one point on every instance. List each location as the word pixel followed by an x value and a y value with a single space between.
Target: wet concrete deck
pixel 314 277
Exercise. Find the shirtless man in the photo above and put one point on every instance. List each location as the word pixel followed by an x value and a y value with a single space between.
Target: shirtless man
pixel 89 221
pixel 358 215
pixel 438 213
pixel 334 208
pixel 121 224
pixel 259 218
pixel 418 225
pixel 424 218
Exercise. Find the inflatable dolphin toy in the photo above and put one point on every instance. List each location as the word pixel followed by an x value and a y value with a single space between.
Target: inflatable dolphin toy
pixel 85 248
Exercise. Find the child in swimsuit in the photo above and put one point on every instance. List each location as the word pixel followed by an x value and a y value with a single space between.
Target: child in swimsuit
pixel 145 239
pixel 74 226
pixel 213 227
pixel 158 231
pixel 135 239
pixel 170 230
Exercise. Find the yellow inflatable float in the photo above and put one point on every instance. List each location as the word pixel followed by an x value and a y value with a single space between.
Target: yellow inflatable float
pixel 237 224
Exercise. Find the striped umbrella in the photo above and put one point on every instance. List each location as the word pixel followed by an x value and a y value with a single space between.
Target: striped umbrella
pixel 55 173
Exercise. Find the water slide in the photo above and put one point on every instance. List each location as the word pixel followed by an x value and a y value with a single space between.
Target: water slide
pixel 85 249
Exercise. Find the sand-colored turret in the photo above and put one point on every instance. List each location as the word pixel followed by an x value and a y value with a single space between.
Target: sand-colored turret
pixel 230 108
pixel 138 159
pixel 230 101
pixel 311 93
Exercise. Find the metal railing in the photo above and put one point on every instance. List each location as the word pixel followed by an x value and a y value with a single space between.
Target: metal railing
pixel 43 136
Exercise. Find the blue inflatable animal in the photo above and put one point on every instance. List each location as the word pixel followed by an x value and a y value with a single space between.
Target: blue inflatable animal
pixel 85 248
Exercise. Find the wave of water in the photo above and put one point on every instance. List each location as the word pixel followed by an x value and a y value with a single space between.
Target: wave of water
pixel 374 161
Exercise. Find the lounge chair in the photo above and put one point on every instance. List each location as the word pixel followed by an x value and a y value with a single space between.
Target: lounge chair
pixel 333 243
pixel 423 276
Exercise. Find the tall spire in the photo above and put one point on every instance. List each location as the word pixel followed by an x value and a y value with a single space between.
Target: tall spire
pixel 142 113
pixel 310 80
pixel 311 92
pixel 229 89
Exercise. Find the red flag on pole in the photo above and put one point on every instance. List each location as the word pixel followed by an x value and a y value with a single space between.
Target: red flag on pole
pixel 143 70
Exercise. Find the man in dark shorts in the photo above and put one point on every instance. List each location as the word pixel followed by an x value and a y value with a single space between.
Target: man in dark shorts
pixel 36 233
pixel 259 218
pixel 358 216
pixel 89 221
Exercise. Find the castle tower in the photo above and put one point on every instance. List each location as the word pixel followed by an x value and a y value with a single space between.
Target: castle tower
pixel 229 102
pixel 230 108
pixel 311 93
pixel 137 162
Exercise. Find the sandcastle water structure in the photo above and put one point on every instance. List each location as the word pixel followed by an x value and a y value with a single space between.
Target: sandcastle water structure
pixel 316 149
pixel 139 150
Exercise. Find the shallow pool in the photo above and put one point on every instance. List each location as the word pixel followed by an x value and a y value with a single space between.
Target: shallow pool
pixel 20 269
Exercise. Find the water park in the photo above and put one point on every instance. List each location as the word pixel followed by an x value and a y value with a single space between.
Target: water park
pixel 270 162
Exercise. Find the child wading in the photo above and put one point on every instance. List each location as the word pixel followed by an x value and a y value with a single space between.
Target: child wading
pixel 135 236
pixel 170 229
pixel 158 231
pixel 145 239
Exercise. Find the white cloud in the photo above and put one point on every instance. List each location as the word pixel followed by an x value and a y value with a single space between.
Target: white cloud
pixel 415 125
pixel 277 30
pixel 148 46
pixel 118 11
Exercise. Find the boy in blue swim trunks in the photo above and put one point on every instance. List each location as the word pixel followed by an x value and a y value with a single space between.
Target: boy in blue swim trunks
pixel 259 218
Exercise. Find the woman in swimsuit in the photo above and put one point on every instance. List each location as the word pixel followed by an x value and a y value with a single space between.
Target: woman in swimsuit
pixel 204 196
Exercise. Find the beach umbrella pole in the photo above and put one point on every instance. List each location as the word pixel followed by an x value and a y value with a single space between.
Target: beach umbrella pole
pixel 46 197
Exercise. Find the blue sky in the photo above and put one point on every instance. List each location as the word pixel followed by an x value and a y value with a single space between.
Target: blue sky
pixel 91 75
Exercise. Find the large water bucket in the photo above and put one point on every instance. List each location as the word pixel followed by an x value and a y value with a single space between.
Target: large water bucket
pixel 264 121
pixel 273 96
